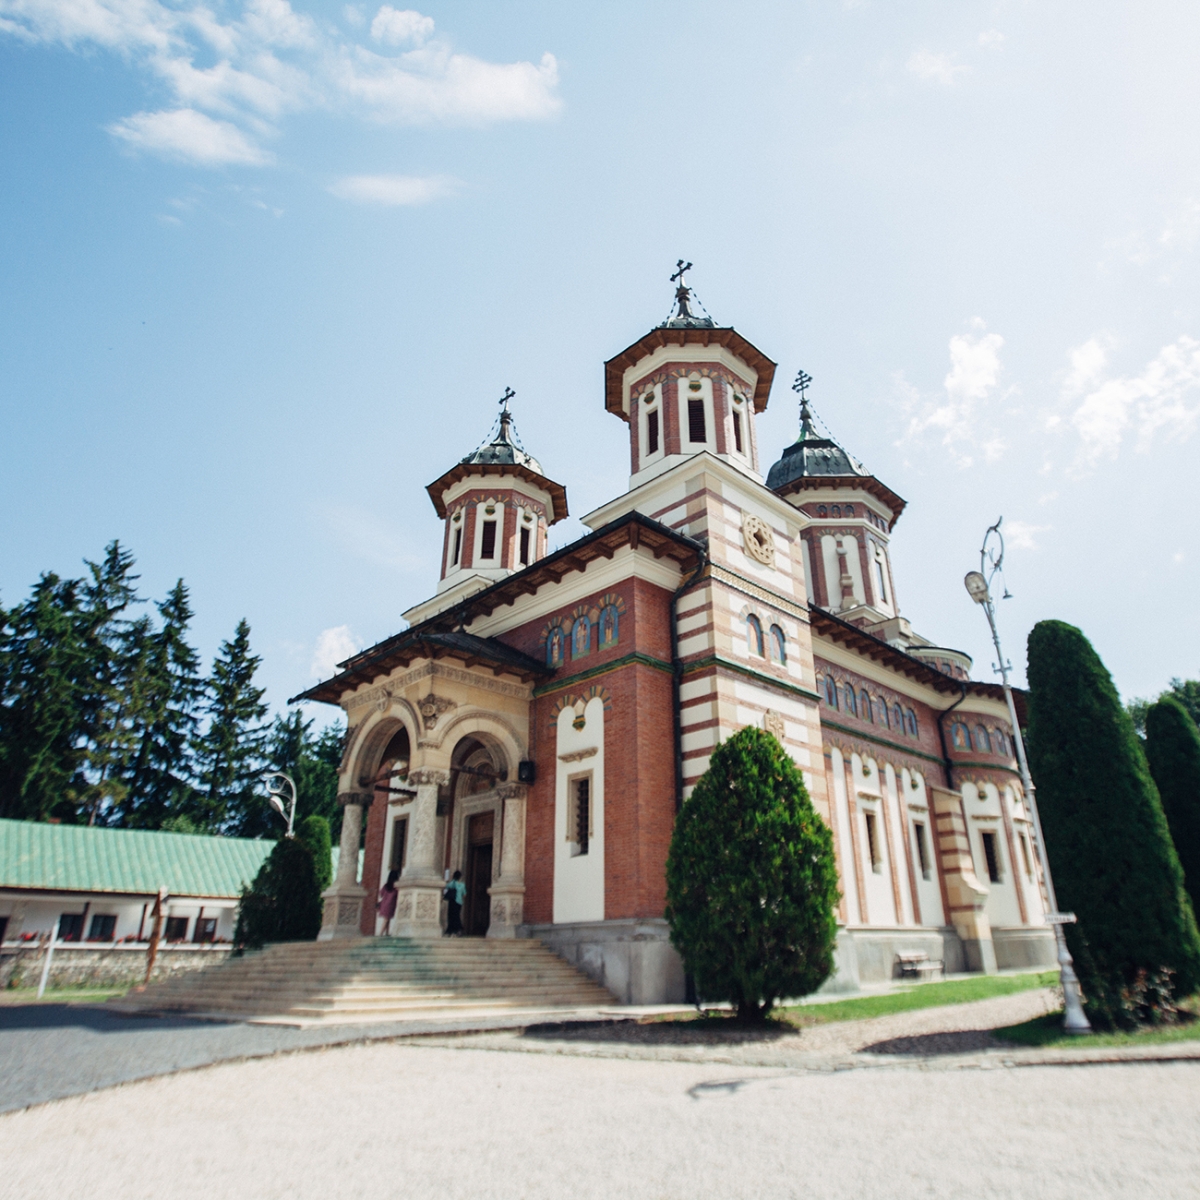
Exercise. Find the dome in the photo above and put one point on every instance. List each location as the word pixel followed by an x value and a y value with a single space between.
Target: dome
pixel 504 448
pixel 812 456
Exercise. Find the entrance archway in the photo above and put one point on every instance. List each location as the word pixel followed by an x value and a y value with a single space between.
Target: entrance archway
pixel 478 767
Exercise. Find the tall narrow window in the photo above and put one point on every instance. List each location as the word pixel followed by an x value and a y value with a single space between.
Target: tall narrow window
pixel 525 546
pixel 922 848
pixel 737 432
pixel 831 692
pixel 610 624
pixel 488 549
pixel 754 635
pixel 897 718
pixel 851 701
pixel 991 853
pixel 579 819
pixel 864 704
pixel 457 546
pixel 982 742
pixel 1025 853
pixel 779 645
pixel 881 578
pixel 581 638
pixel 910 722
pixel 652 432
pixel 873 844
pixel 697 429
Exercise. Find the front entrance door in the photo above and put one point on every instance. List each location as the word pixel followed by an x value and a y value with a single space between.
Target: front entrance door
pixel 477 912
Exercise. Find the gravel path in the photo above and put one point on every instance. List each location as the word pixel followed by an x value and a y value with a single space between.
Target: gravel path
pixel 398 1120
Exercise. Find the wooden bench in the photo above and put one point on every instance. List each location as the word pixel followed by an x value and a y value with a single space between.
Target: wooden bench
pixel 916 964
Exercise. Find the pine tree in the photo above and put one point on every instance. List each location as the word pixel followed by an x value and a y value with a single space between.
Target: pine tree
pixel 313 831
pixel 1106 836
pixel 229 753
pixel 43 666
pixel 169 690
pixel 752 880
pixel 312 764
pixel 1187 692
pixel 1173 751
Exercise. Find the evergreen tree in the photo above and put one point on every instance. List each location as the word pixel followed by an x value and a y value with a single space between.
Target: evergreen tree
pixel 751 879
pixel 284 902
pixel 113 648
pixel 1106 835
pixel 43 666
pixel 169 688
pixel 312 762
pixel 229 753
pixel 1187 692
pixel 1173 751
pixel 313 831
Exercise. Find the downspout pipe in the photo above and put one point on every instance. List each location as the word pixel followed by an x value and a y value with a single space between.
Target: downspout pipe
pixel 942 735
pixel 677 672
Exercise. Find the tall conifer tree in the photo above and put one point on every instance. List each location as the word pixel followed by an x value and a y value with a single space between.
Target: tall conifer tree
pixel 1173 751
pixel 229 754
pixel 1106 836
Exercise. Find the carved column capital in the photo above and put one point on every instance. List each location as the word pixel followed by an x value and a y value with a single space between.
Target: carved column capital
pixel 360 798
pixel 512 791
pixel 428 776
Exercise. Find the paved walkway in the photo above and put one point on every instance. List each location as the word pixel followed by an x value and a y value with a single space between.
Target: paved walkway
pixel 398 1120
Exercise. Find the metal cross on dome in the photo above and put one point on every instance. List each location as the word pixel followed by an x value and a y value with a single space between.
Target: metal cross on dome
pixel 682 292
pixel 508 395
pixel 803 379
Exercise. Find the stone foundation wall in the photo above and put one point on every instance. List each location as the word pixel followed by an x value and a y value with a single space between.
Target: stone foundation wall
pixel 1020 947
pixel 101 966
pixel 633 959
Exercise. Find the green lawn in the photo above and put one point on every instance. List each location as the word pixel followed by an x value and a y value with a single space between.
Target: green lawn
pixel 919 995
pixel 1048 1031
pixel 84 995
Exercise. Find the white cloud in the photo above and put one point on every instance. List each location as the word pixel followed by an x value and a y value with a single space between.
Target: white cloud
pixel 333 646
pixel 1020 535
pixel 936 68
pixel 991 37
pixel 189 136
pixel 393 190
pixel 963 414
pixel 262 60
pixel 1165 395
pixel 399 27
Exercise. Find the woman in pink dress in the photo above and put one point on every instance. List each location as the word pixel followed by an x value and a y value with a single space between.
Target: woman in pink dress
pixel 387 904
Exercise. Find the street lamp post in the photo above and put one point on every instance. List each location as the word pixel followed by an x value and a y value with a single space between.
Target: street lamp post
pixel 276 796
pixel 978 583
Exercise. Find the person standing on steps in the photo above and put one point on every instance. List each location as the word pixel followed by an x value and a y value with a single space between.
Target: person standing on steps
pixel 455 893
pixel 387 904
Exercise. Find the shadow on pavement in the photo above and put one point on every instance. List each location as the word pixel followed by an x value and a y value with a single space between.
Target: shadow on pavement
pixel 96 1019
pixel 926 1045
pixel 697 1032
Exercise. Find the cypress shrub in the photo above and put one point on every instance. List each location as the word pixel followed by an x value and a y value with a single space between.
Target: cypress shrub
pixel 1136 944
pixel 751 880
pixel 283 904
pixel 1173 751
pixel 314 833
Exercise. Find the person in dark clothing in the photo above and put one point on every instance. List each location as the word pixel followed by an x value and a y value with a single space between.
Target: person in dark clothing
pixel 455 893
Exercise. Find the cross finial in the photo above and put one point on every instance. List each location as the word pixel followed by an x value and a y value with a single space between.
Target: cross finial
pixel 803 379
pixel 508 395
pixel 682 292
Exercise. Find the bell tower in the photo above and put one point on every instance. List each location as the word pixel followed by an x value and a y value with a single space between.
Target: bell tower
pixel 497 506
pixel 687 387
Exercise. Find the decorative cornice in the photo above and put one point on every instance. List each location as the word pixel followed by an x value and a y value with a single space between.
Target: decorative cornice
pixel 436 670
pixel 755 590
pixel 635 656
pixel 361 798
pixel 722 663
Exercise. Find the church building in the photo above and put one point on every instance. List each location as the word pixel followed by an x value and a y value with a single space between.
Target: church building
pixel 544 716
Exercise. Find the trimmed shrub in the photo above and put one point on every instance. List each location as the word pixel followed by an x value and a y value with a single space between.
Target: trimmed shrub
pixel 283 904
pixel 1173 751
pixel 1106 836
pixel 314 833
pixel 751 880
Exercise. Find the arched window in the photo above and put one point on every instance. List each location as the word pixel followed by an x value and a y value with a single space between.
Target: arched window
pixel 754 635
pixel 864 705
pixel 982 742
pixel 554 647
pixel 822 510
pixel 897 718
pixel 851 701
pixel 881 712
pixel 836 510
pixel 960 736
pixel 999 742
pixel 831 692
pixel 910 722
pixel 778 645
pixel 610 621
pixel 848 510
pixel 581 638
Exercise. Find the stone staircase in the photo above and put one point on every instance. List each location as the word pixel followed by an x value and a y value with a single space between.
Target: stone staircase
pixel 375 979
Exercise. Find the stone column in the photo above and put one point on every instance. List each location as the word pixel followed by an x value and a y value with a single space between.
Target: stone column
pixel 418 905
pixel 344 899
pixel 966 896
pixel 508 892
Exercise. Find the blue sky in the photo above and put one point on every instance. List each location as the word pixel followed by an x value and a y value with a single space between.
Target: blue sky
pixel 265 269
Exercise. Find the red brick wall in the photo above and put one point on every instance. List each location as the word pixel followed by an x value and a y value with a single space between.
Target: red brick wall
pixel 373 862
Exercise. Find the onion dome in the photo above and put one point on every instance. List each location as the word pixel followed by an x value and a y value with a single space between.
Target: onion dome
pixel 811 455
pixel 502 445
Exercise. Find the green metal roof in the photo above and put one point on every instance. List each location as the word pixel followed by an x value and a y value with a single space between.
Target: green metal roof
pixel 76 858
